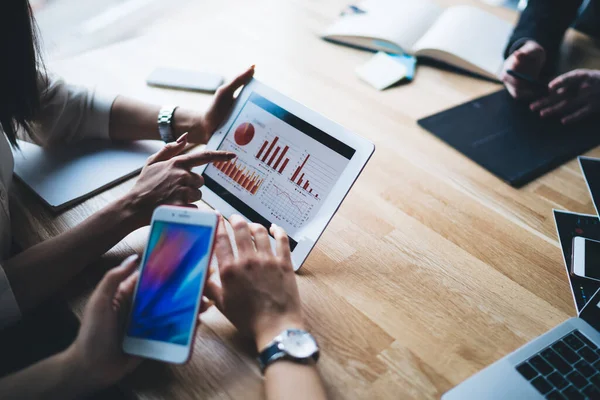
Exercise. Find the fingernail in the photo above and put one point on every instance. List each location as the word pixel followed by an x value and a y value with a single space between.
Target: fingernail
pixel 182 138
pixel 131 258
pixel 253 66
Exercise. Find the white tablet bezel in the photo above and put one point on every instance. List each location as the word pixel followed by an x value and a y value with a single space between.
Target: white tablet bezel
pixel 165 351
pixel 363 151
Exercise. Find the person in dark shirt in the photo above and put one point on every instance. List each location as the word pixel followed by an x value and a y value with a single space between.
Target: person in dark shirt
pixel 533 50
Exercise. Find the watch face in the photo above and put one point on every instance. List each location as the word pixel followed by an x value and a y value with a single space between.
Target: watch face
pixel 299 344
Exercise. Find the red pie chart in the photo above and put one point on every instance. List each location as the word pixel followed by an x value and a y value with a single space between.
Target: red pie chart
pixel 244 134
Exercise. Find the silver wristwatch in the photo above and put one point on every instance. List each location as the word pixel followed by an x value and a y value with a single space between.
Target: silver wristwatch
pixel 165 120
pixel 292 344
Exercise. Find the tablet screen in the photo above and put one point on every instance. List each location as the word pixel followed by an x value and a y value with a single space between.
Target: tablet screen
pixel 285 167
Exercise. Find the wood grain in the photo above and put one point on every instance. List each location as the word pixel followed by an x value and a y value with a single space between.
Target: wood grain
pixel 432 268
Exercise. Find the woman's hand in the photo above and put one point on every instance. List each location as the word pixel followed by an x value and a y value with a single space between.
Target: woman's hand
pixel 529 59
pixel 574 96
pixel 167 179
pixel 259 294
pixel 96 354
pixel 202 127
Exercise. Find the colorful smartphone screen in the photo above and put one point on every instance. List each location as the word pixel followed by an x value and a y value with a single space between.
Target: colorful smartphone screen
pixel 176 261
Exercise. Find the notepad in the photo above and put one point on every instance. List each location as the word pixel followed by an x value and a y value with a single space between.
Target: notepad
pixel 63 176
pixel 509 140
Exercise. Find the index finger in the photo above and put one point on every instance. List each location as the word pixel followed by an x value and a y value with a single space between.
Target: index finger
pixel 223 249
pixel 283 242
pixel 566 79
pixel 204 157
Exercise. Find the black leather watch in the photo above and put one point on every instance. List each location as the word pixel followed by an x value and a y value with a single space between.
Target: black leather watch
pixel 293 345
pixel 165 121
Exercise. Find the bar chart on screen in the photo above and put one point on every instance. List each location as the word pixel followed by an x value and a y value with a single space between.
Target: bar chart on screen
pixel 245 177
pixel 275 153
pixel 314 176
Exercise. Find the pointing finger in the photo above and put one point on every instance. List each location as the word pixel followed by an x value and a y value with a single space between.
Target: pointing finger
pixel 192 160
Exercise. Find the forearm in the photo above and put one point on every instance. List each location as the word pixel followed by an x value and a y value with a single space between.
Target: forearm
pixel 57 377
pixel 545 21
pixel 40 271
pixel 288 380
pixel 135 120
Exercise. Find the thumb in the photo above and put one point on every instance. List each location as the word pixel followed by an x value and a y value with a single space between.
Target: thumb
pixel 239 81
pixel 113 278
pixel 169 151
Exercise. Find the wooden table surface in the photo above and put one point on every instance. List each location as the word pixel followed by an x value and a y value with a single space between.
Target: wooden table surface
pixel 431 270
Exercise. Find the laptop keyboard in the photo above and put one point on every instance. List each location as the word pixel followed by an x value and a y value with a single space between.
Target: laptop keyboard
pixel 567 369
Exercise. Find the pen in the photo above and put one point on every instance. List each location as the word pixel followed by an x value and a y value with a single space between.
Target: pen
pixel 532 81
pixel 353 9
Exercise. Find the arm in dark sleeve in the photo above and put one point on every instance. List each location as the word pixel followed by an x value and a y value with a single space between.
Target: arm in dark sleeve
pixel 544 21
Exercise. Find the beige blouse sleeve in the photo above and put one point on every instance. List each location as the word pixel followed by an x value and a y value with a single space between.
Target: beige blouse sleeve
pixel 71 113
pixel 9 309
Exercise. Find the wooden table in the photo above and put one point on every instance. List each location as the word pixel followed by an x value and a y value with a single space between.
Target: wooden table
pixel 432 268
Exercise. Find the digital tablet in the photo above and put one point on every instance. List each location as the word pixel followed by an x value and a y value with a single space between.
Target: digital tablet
pixel 294 167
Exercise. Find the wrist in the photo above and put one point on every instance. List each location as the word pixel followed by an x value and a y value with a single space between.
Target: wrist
pixel 128 210
pixel 186 120
pixel 272 329
pixel 78 374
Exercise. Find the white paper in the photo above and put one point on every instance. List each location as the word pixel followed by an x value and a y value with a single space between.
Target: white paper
pixel 381 71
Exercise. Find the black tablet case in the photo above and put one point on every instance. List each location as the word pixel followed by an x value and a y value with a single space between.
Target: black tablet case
pixel 505 137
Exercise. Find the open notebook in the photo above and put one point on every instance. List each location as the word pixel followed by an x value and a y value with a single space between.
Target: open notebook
pixel 63 176
pixel 462 36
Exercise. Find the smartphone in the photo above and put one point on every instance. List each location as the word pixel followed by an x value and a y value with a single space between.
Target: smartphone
pixel 585 259
pixel 536 84
pixel 185 79
pixel 164 313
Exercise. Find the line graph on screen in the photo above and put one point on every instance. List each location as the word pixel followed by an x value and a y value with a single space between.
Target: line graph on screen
pixel 289 206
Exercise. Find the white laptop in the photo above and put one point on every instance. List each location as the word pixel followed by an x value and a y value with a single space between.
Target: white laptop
pixel 62 176
pixel 563 363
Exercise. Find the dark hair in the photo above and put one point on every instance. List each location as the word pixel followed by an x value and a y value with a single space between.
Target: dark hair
pixel 20 90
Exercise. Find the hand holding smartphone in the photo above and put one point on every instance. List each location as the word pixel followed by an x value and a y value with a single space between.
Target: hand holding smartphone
pixel 585 261
pixel 173 272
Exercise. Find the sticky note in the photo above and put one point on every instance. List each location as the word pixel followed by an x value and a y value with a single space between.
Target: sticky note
pixel 381 71
pixel 409 62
